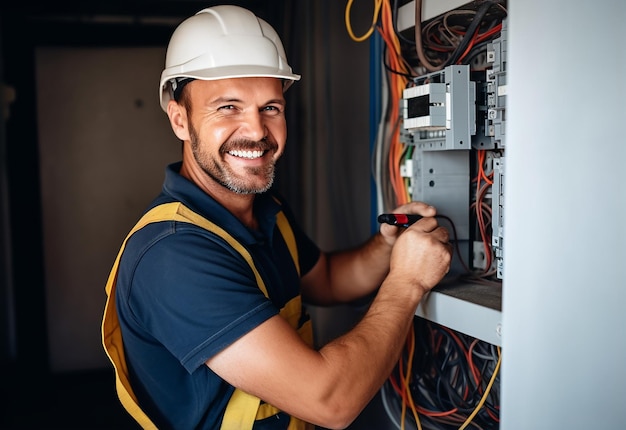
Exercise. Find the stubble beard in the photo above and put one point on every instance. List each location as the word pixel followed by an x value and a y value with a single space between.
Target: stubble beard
pixel 222 173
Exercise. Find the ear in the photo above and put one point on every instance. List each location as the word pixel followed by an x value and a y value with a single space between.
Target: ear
pixel 178 120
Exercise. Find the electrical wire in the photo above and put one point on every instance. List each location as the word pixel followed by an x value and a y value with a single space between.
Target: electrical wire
pixel 389 404
pixel 378 153
pixel 486 393
pixel 411 348
pixel 395 26
pixel 419 47
pixel 471 33
pixel 377 6
pixel 439 43
pixel 391 186
pixel 482 211
pixel 398 80
pixel 446 386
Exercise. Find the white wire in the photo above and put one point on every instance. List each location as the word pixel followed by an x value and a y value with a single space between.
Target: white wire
pixel 392 416
pixel 379 144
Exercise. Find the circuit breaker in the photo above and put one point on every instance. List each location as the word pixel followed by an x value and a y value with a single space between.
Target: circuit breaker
pixel 495 126
pixel 439 114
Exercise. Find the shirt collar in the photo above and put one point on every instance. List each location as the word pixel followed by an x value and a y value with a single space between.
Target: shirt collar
pixel 179 188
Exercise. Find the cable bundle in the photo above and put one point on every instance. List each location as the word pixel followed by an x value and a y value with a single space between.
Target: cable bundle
pixel 457 36
pixel 452 384
pixel 390 152
pixel 482 211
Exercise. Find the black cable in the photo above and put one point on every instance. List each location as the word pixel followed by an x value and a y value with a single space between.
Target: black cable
pixel 394 18
pixel 456 242
pixel 475 52
pixel 442 380
pixel 388 67
pixel 469 34
pixel 443 387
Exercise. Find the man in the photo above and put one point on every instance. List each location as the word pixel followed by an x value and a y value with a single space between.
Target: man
pixel 204 321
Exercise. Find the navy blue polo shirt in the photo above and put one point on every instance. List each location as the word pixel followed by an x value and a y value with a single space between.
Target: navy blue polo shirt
pixel 183 295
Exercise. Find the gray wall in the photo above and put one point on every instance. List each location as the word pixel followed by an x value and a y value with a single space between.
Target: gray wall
pixel 333 123
pixel 101 159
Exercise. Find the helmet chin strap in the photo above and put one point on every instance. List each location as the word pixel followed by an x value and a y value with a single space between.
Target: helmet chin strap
pixel 177 85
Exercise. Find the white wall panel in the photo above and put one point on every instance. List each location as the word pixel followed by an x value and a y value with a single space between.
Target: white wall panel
pixel 564 294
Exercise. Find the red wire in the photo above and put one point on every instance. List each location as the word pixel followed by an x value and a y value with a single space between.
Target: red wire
pixel 473 368
pixel 469 47
pixel 489 33
pixel 481 190
pixel 477 38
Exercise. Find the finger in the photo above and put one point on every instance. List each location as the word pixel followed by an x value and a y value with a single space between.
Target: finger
pixel 389 230
pixel 426 224
pixel 419 208
pixel 442 234
pixel 432 227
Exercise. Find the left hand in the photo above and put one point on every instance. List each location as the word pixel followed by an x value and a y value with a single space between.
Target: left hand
pixel 391 232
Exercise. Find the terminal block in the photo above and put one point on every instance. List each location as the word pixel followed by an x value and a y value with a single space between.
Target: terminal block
pixel 496 89
pixel 440 109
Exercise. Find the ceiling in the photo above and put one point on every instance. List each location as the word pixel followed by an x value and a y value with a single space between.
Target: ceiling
pixel 97 22
pixel 166 8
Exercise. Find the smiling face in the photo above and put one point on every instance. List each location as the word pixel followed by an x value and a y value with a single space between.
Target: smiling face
pixel 236 132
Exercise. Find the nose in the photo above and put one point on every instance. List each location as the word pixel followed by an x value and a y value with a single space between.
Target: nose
pixel 254 126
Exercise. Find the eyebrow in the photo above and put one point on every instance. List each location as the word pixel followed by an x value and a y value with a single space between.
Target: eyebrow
pixel 220 100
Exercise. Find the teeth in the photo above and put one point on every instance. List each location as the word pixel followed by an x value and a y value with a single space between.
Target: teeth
pixel 246 154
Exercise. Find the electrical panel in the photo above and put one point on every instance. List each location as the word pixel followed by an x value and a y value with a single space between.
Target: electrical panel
pixel 455 120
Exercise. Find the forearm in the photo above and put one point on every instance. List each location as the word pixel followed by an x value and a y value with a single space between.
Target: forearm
pixel 362 359
pixel 351 274
pixel 330 386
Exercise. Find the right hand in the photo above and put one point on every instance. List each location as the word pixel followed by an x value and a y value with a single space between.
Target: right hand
pixel 421 255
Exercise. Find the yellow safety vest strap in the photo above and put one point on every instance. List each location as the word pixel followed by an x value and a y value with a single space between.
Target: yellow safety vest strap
pixel 241 411
pixel 290 239
pixel 243 408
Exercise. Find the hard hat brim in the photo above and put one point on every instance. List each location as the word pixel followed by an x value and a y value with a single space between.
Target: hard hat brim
pixel 223 73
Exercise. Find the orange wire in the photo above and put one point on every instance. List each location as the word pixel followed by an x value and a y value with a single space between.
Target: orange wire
pixel 404 391
pixel 493 416
pixel 480 192
pixel 430 413
pixel 411 341
pixel 393 150
pixel 397 83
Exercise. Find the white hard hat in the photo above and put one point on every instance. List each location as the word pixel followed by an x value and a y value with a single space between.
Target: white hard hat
pixel 224 42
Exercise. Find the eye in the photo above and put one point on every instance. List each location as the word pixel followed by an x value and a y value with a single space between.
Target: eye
pixel 226 107
pixel 271 109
